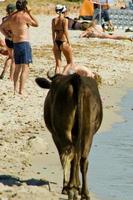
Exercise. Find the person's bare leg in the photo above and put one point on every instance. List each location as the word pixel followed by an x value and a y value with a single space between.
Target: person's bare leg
pixel 16 77
pixel 116 37
pixel 7 64
pixel 67 51
pixel 12 66
pixel 12 70
pixel 23 77
pixel 57 55
pixel 5 68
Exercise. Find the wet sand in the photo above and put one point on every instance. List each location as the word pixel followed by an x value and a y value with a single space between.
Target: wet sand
pixel 29 163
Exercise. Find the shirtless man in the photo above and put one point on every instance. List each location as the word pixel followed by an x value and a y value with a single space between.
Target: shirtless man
pixel 17 25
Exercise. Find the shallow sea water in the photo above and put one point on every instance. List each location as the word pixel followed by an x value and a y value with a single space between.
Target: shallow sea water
pixel 111 159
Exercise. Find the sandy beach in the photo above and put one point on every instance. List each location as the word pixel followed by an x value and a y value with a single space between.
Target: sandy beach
pixel 29 163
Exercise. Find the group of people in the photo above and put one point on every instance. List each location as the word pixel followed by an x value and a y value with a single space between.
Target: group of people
pixel 97 29
pixel 62 44
pixel 15 27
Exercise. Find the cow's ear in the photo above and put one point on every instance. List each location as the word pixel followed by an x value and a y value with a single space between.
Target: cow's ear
pixel 43 83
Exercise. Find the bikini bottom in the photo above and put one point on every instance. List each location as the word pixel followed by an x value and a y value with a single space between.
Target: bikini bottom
pixel 59 43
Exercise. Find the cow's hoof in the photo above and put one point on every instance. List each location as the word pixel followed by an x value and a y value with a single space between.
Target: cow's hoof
pixel 79 190
pixel 85 197
pixel 71 195
pixel 75 195
pixel 65 190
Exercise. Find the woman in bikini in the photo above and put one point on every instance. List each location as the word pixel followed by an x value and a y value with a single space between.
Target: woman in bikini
pixel 96 31
pixel 60 39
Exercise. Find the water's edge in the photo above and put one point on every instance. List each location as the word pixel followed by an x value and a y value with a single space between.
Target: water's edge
pixel 111 158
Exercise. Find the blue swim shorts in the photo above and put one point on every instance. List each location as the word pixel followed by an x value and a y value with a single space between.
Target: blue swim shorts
pixel 103 15
pixel 22 53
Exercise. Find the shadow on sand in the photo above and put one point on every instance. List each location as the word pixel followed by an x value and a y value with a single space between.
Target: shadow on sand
pixel 12 180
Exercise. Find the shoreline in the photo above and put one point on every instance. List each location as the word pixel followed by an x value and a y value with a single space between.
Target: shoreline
pixel 112 101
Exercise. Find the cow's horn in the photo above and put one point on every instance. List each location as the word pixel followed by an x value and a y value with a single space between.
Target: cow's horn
pixel 51 73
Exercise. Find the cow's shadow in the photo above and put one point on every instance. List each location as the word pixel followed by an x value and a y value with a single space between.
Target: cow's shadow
pixel 12 180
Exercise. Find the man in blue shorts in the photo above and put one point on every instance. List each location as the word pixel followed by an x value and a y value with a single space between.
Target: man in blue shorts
pixel 18 26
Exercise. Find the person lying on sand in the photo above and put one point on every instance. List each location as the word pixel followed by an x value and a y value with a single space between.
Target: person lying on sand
pixel 96 31
pixel 83 71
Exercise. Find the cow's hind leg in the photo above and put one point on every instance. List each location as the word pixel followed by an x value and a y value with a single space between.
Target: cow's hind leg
pixel 74 183
pixel 66 157
pixel 84 168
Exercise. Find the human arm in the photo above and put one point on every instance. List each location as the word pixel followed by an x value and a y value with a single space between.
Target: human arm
pixel 84 33
pixel 66 30
pixel 31 20
pixel 53 31
pixel 4 28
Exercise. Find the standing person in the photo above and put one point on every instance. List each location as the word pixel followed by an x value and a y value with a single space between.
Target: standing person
pixel 60 39
pixel 9 44
pixel 18 24
pixel 102 14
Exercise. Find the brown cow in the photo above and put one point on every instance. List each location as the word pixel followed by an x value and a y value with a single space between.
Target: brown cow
pixel 73 114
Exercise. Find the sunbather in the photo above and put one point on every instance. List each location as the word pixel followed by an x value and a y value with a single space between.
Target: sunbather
pixel 83 71
pixel 96 31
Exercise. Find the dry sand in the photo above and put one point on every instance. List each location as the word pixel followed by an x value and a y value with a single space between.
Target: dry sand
pixel 29 163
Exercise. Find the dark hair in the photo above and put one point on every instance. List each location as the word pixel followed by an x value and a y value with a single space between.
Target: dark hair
pixel 10 8
pixel 21 4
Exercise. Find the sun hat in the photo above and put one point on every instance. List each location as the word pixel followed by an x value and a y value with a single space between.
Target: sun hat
pixel 10 8
pixel 60 8
pixel 64 9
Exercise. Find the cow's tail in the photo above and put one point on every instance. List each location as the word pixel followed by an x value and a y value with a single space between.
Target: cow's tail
pixel 76 82
pixel 80 110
